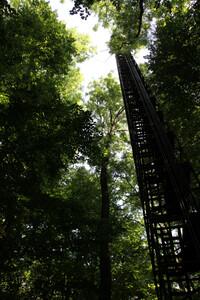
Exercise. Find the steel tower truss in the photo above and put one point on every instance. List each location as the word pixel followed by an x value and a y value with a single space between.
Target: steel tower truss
pixel 170 211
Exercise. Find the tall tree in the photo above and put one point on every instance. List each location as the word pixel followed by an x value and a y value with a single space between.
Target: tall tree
pixel 116 185
pixel 102 94
pixel 41 130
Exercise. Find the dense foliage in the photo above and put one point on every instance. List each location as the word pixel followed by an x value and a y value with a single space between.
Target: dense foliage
pixel 129 21
pixel 174 62
pixel 41 131
pixel 71 223
pixel 51 227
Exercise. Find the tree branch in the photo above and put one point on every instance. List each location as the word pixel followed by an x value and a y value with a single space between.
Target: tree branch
pixel 141 7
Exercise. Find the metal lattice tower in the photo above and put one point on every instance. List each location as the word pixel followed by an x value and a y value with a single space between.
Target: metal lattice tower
pixel 171 213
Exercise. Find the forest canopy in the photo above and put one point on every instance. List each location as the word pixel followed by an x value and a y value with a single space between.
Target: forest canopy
pixel 71 222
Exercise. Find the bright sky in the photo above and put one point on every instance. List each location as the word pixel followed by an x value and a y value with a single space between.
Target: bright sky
pixel 103 62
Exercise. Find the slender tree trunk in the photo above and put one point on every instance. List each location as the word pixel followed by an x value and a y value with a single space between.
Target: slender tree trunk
pixel 105 262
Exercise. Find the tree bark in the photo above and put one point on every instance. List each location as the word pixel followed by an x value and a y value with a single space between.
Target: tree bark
pixel 105 261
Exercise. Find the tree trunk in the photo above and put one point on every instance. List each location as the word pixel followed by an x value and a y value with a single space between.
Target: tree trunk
pixel 105 262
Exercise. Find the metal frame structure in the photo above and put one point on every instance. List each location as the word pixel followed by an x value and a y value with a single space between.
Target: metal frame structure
pixel 171 213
